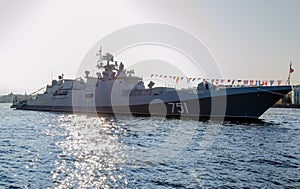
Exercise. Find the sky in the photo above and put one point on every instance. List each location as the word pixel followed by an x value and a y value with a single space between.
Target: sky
pixel 248 39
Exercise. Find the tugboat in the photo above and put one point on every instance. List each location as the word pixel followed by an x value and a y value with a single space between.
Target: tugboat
pixel 117 91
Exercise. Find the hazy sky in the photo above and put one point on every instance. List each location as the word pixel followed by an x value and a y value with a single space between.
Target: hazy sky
pixel 251 39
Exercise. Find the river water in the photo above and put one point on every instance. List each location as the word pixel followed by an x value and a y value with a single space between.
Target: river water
pixel 59 150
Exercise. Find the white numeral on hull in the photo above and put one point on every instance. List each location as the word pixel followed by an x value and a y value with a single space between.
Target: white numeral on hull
pixel 180 107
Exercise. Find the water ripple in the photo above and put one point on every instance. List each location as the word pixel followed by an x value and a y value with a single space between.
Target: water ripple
pixel 57 150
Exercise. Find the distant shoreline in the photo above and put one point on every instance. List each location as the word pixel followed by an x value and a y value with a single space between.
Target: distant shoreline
pixel 286 106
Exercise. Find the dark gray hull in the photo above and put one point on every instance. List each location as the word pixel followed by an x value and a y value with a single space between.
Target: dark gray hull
pixel 236 104
pixel 245 106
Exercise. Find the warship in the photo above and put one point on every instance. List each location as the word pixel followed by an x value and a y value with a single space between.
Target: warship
pixel 116 91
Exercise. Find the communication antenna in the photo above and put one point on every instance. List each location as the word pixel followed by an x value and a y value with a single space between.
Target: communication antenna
pixel 99 61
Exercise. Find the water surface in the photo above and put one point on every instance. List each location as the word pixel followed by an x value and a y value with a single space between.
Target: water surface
pixel 58 150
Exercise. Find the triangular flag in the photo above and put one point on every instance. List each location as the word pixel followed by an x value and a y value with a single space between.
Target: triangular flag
pixel 251 83
pixel 265 83
pixel 257 82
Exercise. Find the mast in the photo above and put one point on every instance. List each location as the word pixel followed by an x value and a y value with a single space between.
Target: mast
pixel 99 61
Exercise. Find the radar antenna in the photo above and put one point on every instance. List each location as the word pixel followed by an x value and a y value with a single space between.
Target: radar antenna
pixel 130 72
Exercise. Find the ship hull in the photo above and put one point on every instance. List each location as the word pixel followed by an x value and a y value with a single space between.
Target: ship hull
pixel 231 104
pixel 245 106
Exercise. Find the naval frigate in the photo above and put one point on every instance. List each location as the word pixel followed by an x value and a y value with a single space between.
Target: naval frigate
pixel 116 91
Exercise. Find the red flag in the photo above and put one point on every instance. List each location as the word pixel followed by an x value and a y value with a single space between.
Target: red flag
pixel 251 83
pixel 291 69
pixel 265 83
pixel 279 82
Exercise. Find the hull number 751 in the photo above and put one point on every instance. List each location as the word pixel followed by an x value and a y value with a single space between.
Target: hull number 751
pixel 179 107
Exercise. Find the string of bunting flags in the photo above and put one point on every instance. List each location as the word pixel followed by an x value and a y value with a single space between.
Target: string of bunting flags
pixel 218 82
